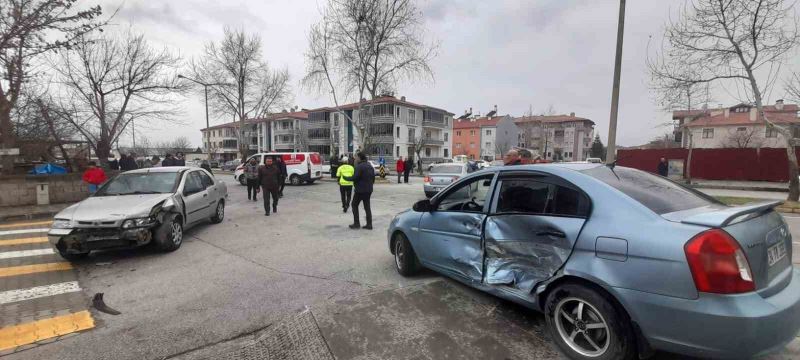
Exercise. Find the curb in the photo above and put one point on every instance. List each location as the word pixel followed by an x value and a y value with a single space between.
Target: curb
pixel 30 216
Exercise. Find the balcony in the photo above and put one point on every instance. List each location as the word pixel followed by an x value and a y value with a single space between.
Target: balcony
pixel 382 139
pixel 318 124
pixel 279 131
pixel 434 124
pixel 434 142
pixel 319 141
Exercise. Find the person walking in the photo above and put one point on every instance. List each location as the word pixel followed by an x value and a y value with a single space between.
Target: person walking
pixel 128 162
pixel 114 163
pixel 407 166
pixel 251 178
pixel 94 176
pixel 169 160
pixel 346 169
pixel 283 174
pixel 268 177
pixel 400 168
pixel 663 167
pixel 363 178
pixel 334 165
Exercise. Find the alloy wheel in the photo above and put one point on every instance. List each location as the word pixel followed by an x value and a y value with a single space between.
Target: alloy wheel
pixel 177 233
pixel 582 327
pixel 220 211
pixel 399 252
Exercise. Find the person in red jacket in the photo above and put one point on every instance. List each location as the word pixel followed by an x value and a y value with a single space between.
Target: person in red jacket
pixel 94 176
pixel 400 166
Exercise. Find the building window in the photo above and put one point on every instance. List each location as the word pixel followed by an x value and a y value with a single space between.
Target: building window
pixel 319 134
pixel 741 129
pixel 397 154
pixel 433 116
pixel 427 134
pixel 445 136
pixel 458 133
pixel 771 132
pixel 398 132
pixel 489 132
pixel 411 135
pixel 488 145
pixel 412 117
pixel 446 153
pixel 458 145
pixel 398 112
pixel 427 152
pixel 335 119
pixel 708 133
pixel 472 145
pixel 380 129
pixel 472 132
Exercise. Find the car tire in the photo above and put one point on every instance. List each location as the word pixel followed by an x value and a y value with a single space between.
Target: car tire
pixel 405 259
pixel 585 324
pixel 219 213
pixel 242 180
pixel 73 257
pixel 169 236
pixel 309 182
pixel 295 180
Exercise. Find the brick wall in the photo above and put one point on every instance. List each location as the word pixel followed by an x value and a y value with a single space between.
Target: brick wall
pixel 18 190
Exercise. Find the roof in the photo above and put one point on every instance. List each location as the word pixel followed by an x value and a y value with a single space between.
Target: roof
pixel 300 115
pixel 475 123
pixel 785 116
pixel 379 100
pixel 552 119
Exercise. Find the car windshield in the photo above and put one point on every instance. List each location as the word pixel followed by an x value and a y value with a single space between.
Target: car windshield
pixel 141 183
pixel 659 194
pixel 447 169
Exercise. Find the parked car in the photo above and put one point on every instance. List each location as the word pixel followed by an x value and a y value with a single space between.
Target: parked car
pixel 442 175
pixel 231 165
pixel 214 164
pixel 301 167
pixel 619 261
pixel 139 207
pixel 445 161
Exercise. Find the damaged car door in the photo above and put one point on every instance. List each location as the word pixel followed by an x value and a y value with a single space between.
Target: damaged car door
pixel 535 221
pixel 195 197
pixel 451 234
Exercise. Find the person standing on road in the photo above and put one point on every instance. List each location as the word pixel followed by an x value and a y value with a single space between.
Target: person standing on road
pixel 179 159
pixel 407 166
pixel 663 167
pixel 334 166
pixel 251 178
pixel 128 162
pixel 94 176
pixel 205 165
pixel 268 176
pixel 400 168
pixel 363 177
pixel 282 181
pixel 114 163
pixel 345 186
pixel 169 160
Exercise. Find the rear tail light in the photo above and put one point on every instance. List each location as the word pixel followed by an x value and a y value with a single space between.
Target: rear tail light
pixel 718 264
pixel 427 179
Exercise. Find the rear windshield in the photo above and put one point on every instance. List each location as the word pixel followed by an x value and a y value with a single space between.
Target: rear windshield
pixel 656 193
pixel 446 169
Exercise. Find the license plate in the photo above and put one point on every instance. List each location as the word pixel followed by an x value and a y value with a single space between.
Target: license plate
pixel 776 252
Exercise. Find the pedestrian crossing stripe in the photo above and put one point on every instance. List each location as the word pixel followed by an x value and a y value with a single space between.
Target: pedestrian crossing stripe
pixel 31 332
pixel 36 292
pixel 23 231
pixel 23 241
pixel 33 269
pixel 25 253
pixel 33 223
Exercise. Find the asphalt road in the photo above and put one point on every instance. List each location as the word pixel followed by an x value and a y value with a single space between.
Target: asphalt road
pixel 236 278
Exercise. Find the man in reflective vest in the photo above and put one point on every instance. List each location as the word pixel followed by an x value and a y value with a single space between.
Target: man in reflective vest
pixel 345 186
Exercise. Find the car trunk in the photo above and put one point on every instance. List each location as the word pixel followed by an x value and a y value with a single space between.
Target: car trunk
pixel 442 179
pixel 763 236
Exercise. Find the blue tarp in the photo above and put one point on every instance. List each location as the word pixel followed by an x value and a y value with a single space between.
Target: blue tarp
pixel 46 169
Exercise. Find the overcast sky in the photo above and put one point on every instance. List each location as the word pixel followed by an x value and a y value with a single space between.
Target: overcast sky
pixel 513 54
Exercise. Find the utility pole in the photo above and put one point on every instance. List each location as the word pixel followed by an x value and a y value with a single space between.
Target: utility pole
pixel 205 89
pixel 611 151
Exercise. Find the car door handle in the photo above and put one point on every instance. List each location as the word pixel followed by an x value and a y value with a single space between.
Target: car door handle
pixel 205 195
pixel 554 233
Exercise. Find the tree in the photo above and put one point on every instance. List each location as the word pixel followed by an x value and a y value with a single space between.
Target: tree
pixel 598 150
pixel 733 42
pixel 29 28
pixel 742 139
pixel 110 81
pixel 362 48
pixel 418 145
pixel 242 82
pixel 502 147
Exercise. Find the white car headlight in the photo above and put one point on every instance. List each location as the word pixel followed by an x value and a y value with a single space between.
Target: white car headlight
pixel 62 224
pixel 138 222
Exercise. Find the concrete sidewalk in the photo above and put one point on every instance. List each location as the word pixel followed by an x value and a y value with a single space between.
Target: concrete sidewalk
pixel 8 213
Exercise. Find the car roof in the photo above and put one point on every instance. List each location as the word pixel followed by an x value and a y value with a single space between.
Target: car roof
pixel 160 169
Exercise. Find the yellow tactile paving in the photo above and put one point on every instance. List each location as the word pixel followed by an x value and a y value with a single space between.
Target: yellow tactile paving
pixel 30 223
pixel 28 333
pixel 30 240
pixel 32 269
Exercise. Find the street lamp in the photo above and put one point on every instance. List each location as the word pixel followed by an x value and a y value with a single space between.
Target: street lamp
pixel 205 89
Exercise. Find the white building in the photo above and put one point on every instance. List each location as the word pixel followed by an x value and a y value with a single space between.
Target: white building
pixel 557 137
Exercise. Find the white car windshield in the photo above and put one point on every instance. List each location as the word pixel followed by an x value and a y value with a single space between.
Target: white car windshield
pixel 141 183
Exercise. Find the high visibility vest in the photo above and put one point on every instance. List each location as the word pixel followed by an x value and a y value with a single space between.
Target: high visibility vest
pixel 345 170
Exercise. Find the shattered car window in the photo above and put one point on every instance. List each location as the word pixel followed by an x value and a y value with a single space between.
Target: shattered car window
pixel 140 183
pixel 656 193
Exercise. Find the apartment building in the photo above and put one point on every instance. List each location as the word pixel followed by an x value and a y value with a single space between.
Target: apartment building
pixel 393 127
pixel 486 138
pixel 556 137
pixel 276 132
pixel 738 126
pixel 285 130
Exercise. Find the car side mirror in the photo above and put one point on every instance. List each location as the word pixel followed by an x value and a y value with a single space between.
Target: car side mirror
pixel 423 206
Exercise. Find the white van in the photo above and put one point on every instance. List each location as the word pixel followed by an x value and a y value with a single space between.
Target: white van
pixel 301 167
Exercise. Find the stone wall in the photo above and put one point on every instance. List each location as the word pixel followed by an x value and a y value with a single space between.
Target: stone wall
pixel 19 190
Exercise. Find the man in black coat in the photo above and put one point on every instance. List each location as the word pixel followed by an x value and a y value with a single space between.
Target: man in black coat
pixel 407 169
pixel 663 167
pixel 283 174
pixel 268 177
pixel 362 179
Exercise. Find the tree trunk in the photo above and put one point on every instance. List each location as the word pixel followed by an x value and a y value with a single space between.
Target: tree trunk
pixel 689 160
pixel 6 136
pixel 794 182
pixel 102 151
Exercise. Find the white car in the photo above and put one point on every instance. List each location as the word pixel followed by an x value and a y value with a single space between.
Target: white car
pixel 377 168
pixel 301 167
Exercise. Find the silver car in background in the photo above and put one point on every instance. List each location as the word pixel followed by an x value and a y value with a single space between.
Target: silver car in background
pixel 442 175
pixel 139 207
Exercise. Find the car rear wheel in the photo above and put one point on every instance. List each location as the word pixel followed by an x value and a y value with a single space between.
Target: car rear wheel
pixel 405 259
pixel 294 180
pixel 219 214
pixel 169 236
pixel 585 324
pixel 242 180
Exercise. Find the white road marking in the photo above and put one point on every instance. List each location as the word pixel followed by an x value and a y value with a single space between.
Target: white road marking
pixel 38 292
pixel 23 231
pixel 25 253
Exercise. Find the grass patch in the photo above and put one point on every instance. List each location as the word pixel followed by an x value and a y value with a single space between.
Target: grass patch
pixel 736 200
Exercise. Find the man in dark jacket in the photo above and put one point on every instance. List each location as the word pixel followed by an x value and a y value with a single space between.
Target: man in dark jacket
pixel 362 180
pixel 128 162
pixel 268 176
pixel 663 167
pixel 407 169
pixel 179 159
pixel 169 160
pixel 282 181
pixel 334 165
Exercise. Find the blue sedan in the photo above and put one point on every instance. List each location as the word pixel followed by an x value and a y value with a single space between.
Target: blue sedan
pixel 620 261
